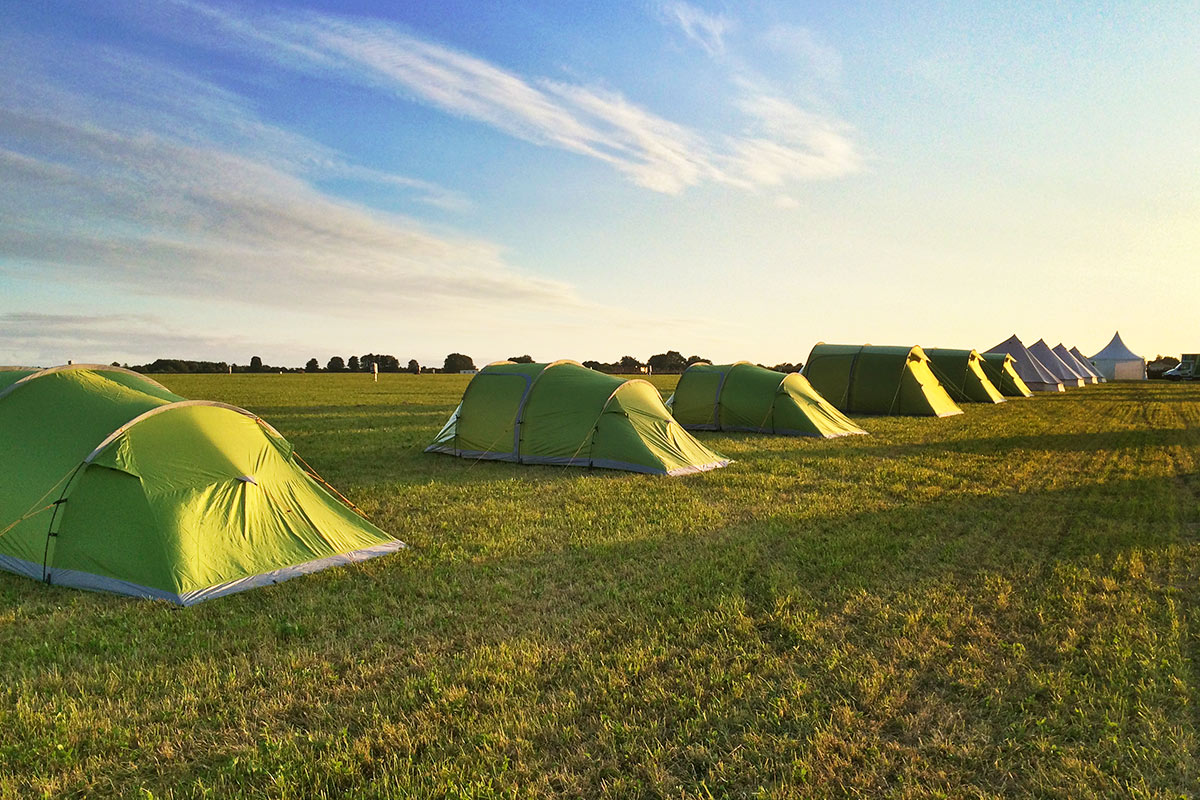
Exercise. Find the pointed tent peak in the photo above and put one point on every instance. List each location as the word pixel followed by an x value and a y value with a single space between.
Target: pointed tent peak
pixel 1012 345
pixel 1088 365
pixel 1116 350
pixel 1074 363
pixel 1035 374
pixel 1051 361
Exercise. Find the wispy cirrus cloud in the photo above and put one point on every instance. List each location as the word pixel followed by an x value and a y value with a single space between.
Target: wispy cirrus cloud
pixel 600 123
pixel 704 28
pixel 782 142
pixel 136 189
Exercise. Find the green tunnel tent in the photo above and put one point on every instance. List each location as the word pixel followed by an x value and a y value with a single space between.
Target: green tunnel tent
pixel 866 379
pixel 566 414
pixel 1002 372
pixel 961 373
pixel 746 397
pixel 110 482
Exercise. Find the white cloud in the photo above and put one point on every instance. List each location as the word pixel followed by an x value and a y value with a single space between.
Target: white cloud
pixel 788 144
pixel 651 151
pixel 39 339
pixel 137 189
pixel 705 29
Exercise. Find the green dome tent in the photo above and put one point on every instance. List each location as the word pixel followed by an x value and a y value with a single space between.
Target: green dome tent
pixel 1001 370
pixel 745 397
pixel 862 379
pixel 961 373
pixel 564 413
pixel 110 482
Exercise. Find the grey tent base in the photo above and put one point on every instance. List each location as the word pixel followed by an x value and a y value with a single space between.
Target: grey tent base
pixel 76 579
pixel 708 426
pixel 566 461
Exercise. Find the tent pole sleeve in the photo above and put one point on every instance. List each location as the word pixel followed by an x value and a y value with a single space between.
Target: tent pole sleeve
pixel 55 524
pixel 717 399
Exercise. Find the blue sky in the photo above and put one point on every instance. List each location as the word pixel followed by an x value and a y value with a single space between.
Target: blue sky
pixel 582 180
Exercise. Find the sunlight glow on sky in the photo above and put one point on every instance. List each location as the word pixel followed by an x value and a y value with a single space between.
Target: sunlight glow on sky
pixel 211 180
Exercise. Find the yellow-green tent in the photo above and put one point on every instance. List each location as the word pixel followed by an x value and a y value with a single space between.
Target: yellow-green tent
pixel 110 482
pixel 746 397
pixel 564 413
pixel 1001 369
pixel 865 379
pixel 961 373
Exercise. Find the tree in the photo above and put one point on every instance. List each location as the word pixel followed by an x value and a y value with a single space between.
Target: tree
pixel 1156 368
pixel 697 360
pixel 336 364
pixel 414 367
pixel 457 362
pixel 630 364
pixel 312 365
pixel 786 367
pixel 352 364
pixel 256 364
pixel 526 359
pixel 670 361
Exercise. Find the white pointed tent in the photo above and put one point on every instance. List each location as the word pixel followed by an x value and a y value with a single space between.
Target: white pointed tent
pixel 1082 359
pixel 1064 354
pixel 1036 376
pixel 1067 376
pixel 1116 362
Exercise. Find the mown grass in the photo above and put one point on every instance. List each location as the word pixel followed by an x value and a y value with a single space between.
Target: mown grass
pixel 998 604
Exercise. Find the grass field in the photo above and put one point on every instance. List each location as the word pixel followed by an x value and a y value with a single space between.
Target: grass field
pixel 999 604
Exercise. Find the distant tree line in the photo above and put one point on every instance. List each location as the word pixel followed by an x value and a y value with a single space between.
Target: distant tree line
pixel 454 363
pixel 670 362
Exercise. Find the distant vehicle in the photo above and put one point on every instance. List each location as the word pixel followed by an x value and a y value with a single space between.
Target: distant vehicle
pixel 1186 371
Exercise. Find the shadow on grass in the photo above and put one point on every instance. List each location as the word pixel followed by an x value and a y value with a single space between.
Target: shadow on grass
pixel 651 636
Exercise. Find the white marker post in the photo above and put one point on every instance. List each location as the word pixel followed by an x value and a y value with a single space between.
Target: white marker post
pixel 375 370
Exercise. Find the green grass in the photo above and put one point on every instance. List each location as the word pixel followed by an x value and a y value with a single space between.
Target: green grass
pixel 1000 604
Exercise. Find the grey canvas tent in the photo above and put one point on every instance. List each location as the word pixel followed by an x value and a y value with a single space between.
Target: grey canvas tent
pixel 1065 355
pixel 1091 368
pixel 1116 362
pixel 1036 376
pixel 1067 376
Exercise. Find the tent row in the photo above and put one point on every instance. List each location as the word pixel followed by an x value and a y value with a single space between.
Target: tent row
pixel 1056 369
pixel 110 482
pixel 565 414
